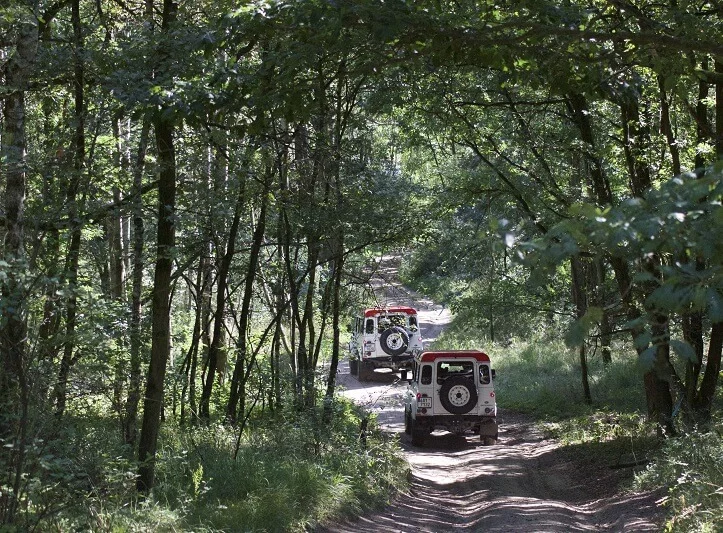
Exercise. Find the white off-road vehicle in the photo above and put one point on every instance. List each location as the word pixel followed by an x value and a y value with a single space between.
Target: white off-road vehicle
pixel 450 390
pixel 384 338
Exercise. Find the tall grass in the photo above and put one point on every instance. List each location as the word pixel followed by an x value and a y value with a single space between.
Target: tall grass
pixel 288 472
pixel 542 376
pixel 691 467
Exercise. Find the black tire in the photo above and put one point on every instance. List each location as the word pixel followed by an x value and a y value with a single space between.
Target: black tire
pixel 354 367
pixel 418 433
pixel 407 422
pixel 394 341
pixel 488 441
pixel 366 371
pixel 458 395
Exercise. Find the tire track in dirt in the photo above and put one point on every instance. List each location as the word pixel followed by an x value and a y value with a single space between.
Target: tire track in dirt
pixel 524 483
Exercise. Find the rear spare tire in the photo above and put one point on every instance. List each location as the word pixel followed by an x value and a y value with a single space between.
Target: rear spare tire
pixel 394 341
pixel 458 395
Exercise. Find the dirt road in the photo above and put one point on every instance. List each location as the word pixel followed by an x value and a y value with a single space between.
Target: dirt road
pixel 524 483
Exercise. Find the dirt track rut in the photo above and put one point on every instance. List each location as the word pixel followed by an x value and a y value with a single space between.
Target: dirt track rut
pixel 524 483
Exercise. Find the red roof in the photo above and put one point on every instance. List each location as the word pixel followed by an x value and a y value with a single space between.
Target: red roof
pixel 390 310
pixel 475 354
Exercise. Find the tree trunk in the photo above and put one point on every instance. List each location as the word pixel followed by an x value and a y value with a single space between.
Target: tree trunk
pixel 703 404
pixel 336 329
pixel 73 258
pixel 220 315
pixel 130 423
pixel 579 298
pixel 719 110
pixel 161 302
pixel 160 329
pixel 241 369
pixel 667 128
pixel 14 386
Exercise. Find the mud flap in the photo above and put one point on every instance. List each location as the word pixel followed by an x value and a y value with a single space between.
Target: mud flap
pixel 488 428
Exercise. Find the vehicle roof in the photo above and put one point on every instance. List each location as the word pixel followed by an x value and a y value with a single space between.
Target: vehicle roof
pixel 454 354
pixel 374 311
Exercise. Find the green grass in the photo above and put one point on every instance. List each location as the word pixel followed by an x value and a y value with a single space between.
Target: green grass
pixel 542 376
pixel 292 470
pixel 691 467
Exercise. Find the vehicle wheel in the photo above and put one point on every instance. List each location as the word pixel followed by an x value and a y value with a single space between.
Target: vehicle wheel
pixel 354 367
pixel 366 371
pixel 407 422
pixel 488 441
pixel 458 395
pixel 394 341
pixel 418 433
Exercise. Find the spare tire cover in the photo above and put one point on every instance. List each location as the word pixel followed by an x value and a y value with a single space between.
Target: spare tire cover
pixel 458 395
pixel 394 341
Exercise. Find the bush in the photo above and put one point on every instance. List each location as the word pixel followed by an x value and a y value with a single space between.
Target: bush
pixel 542 376
pixel 287 472
pixel 691 467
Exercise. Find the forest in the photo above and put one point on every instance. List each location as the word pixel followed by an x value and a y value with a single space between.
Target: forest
pixel 193 194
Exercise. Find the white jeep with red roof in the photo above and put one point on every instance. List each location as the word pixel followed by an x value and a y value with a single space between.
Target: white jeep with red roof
pixel 450 390
pixel 384 337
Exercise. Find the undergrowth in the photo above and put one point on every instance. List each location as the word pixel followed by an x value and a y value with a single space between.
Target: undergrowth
pixel 691 467
pixel 288 472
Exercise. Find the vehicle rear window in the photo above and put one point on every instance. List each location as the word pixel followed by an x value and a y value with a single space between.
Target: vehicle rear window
pixel 447 369
pixel 369 328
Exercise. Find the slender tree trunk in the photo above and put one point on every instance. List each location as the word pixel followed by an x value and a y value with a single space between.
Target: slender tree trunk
pixel 190 364
pixel 161 302
pixel 160 329
pixel 600 299
pixel 336 329
pixel 719 110
pixel 218 327
pixel 667 128
pixel 703 404
pixel 73 258
pixel 130 423
pixel 579 297
pixel 14 385
pixel 240 372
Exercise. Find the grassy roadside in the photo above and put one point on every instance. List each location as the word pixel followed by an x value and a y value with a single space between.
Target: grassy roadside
pixel 292 470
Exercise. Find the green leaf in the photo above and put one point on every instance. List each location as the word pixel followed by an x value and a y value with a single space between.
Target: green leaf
pixel 715 305
pixel 647 358
pixel 581 328
pixel 684 350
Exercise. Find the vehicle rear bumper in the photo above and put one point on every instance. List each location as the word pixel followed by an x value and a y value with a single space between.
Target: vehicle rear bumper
pixel 460 423
pixel 394 362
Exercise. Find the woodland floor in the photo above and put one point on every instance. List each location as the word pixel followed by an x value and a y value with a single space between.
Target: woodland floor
pixel 524 483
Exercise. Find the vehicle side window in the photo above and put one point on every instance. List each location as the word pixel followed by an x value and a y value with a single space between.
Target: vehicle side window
pixel 426 375
pixel 369 326
pixel 484 374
